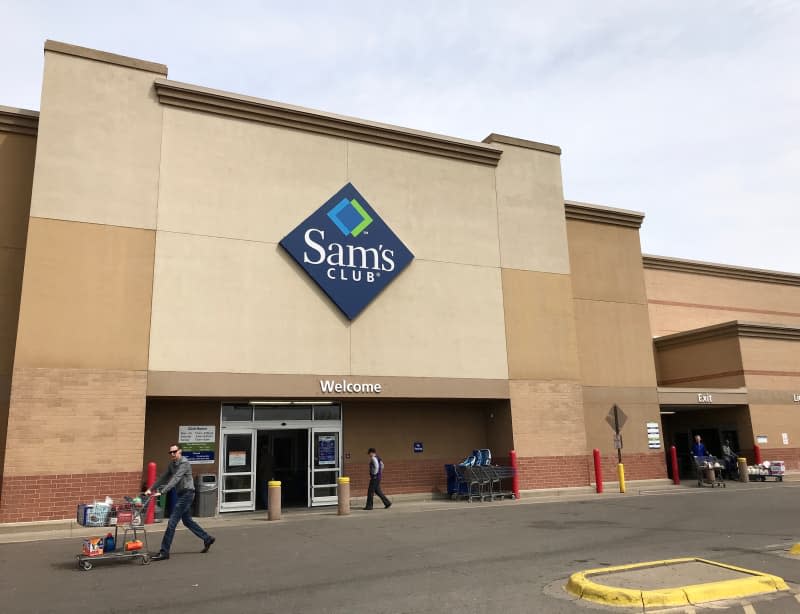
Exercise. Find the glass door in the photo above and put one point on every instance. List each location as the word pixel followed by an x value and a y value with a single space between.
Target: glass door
pixel 326 465
pixel 238 471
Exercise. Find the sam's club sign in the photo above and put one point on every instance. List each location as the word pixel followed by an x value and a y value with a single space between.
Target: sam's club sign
pixel 348 250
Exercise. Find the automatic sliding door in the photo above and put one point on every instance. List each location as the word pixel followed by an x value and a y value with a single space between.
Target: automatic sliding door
pixel 238 472
pixel 326 465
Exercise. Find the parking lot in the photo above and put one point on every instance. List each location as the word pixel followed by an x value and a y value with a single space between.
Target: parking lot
pixel 423 557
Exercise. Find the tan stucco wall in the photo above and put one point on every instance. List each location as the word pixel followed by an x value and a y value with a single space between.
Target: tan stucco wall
pixel 540 326
pixel 99 143
pixel 771 364
pixel 85 296
pixel 711 362
pixel 530 205
pixel 17 154
pixel 774 420
pixel 684 301
pixel 639 405
pixel 230 190
pixel 548 418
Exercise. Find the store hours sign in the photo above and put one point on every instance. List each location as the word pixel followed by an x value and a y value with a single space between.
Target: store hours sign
pixel 348 250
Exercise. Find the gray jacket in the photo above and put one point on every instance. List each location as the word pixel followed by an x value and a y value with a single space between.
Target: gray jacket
pixel 178 475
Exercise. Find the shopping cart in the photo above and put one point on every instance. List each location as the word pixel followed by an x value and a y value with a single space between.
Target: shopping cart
pixel 128 516
pixel 709 471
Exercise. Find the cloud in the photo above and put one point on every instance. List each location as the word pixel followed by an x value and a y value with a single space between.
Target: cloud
pixel 686 111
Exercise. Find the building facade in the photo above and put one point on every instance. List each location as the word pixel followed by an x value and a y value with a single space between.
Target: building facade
pixel 181 263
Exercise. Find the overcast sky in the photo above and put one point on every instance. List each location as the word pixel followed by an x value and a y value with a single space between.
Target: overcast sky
pixel 688 111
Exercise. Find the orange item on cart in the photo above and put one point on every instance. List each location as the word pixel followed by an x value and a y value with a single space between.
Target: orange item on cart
pixel 134 544
pixel 93 546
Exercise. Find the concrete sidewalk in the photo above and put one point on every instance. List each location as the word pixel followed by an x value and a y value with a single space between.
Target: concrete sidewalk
pixel 402 504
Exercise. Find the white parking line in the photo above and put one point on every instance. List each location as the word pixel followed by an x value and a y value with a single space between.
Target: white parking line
pixel 748 609
pixel 797 597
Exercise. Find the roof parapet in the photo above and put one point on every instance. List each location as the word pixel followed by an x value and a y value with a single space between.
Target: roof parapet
pixel 104 56
pixel 734 328
pixel 586 212
pixel 719 270
pixel 512 140
pixel 196 98
pixel 19 121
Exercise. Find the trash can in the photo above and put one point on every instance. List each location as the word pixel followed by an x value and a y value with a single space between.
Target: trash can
pixel 205 495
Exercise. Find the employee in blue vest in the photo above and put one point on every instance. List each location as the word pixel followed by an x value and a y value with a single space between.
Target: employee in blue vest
pixel 375 475
pixel 698 447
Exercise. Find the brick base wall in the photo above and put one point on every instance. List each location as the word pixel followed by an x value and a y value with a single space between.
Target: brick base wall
pixel 407 476
pixel 55 497
pixel 790 456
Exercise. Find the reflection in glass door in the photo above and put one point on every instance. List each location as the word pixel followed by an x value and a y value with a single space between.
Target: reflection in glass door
pixel 238 475
pixel 326 465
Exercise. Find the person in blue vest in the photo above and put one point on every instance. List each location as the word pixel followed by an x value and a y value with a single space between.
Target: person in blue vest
pixel 375 475
pixel 698 447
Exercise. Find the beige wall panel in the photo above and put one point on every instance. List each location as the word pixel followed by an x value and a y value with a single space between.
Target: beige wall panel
pixel 11 265
pixel 773 421
pixel 606 262
pixel 614 344
pixel 5 396
pixel 600 434
pixel 771 355
pixel 68 411
pixel 704 300
pixel 540 325
pixel 717 357
pixel 530 202
pixel 165 416
pixel 435 320
pixel 86 296
pixel 448 431
pixel 99 144
pixel 786 381
pixel 668 319
pixel 547 418
pixel 442 209
pixel 17 154
pixel 240 307
pixel 232 178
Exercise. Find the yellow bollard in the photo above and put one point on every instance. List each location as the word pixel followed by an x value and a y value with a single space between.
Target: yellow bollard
pixel 274 500
pixel 743 476
pixel 344 496
pixel 621 476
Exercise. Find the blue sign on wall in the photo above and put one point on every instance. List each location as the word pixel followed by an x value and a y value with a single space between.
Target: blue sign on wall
pixel 417 447
pixel 348 250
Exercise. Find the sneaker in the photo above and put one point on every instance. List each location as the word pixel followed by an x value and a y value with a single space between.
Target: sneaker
pixel 388 505
pixel 207 544
pixel 160 556
pixel 366 508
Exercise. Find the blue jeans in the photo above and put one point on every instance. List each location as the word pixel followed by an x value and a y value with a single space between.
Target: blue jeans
pixel 182 511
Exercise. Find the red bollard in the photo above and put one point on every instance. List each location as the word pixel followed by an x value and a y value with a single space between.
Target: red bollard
pixel 757 453
pixel 673 461
pixel 598 470
pixel 150 516
pixel 512 455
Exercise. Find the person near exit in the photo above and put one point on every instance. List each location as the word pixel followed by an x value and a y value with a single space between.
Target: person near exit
pixel 375 475
pixel 698 447
pixel 178 476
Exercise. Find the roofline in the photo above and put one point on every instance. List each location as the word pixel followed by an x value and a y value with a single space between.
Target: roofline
pixel 587 212
pixel 104 56
pixel 728 330
pixel 196 98
pixel 512 140
pixel 19 121
pixel 697 267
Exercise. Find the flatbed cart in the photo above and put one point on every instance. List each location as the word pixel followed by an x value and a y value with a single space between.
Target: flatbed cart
pixel 767 470
pixel 709 471
pixel 130 517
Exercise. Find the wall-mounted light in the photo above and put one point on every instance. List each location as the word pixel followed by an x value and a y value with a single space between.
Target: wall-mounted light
pixel 667 413
pixel 291 403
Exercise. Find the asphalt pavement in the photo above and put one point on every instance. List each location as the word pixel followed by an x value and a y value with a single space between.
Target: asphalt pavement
pixel 424 557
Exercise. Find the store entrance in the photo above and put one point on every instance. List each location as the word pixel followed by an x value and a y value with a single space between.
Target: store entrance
pixel 282 455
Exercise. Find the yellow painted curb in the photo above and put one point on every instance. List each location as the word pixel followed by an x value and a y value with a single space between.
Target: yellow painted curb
pixel 582 586
pixel 795 549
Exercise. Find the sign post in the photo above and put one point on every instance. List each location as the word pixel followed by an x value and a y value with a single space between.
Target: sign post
pixel 616 418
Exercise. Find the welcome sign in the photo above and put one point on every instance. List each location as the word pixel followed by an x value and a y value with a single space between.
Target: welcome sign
pixel 348 250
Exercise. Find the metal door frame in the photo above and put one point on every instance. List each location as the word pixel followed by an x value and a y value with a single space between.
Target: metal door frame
pixel 237 505
pixel 313 471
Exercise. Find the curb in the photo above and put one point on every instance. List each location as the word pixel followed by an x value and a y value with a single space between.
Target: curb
pixel 580 585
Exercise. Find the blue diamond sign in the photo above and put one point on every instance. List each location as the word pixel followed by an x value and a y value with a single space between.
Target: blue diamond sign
pixel 348 250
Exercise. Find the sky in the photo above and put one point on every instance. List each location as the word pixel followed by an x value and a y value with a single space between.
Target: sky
pixel 685 110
